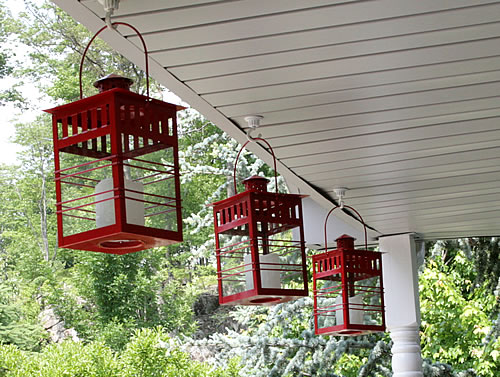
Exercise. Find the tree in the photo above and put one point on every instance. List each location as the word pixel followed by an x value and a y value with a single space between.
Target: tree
pixel 6 64
pixel 15 327
pixel 460 301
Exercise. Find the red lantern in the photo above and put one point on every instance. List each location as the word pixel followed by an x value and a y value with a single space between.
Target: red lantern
pixel 260 248
pixel 116 170
pixel 348 290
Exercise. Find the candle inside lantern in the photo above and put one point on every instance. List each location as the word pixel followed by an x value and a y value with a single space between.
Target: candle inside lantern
pixel 355 310
pixel 269 271
pixel 105 209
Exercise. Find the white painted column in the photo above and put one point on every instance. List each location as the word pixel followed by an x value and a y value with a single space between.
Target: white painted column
pixel 402 306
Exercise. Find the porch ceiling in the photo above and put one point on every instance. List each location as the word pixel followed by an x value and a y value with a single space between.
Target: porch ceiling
pixel 397 100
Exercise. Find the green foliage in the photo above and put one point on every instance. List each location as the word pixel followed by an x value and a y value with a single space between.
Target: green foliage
pixel 348 365
pixel 6 64
pixel 15 326
pixel 67 359
pixel 11 358
pixel 452 309
pixel 102 296
pixel 106 297
pixel 150 353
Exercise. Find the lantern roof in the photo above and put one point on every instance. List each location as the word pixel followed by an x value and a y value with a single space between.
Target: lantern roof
pixel 96 98
pixel 256 183
pixel 256 178
pixel 104 83
pixel 112 76
pixel 344 237
pixel 239 195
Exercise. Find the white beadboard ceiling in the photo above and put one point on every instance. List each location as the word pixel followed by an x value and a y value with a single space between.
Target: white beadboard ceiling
pixel 398 100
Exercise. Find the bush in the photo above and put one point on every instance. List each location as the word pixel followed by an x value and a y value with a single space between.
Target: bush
pixel 11 357
pixel 150 353
pixel 71 359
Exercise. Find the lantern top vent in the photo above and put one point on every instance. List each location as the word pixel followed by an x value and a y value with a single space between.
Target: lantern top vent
pixel 112 81
pixel 256 183
pixel 345 242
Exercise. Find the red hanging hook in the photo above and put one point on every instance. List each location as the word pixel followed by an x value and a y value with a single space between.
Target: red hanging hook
pixel 238 156
pixel 357 213
pixel 95 36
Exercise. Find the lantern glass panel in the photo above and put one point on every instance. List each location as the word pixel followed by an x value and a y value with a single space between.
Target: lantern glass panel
pixel 280 260
pixel 364 302
pixel 87 191
pixel 329 310
pixel 79 177
pixel 154 175
pixel 235 266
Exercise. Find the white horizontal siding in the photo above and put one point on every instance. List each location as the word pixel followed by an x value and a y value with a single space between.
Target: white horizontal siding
pixel 206 32
pixel 420 24
pixel 339 51
pixel 446 71
pixel 349 66
pixel 453 152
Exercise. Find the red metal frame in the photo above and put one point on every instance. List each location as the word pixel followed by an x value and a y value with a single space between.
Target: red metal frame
pixel 348 267
pixel 112 130
pixel 253 223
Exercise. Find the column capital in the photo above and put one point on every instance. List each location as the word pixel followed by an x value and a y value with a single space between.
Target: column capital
pixel 399 266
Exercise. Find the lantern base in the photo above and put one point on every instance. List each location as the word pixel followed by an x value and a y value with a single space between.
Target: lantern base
pixel 112 240
pixel 352 330
pixel 122 244
pixel 253 298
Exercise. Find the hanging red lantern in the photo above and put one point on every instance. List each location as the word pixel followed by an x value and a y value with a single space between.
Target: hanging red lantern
pixel 260 248
pixel 116 168
pixel 348 289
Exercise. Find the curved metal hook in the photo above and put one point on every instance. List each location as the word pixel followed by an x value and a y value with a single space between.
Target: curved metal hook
pixel 107 19
pixel 340 192
pixel 249 134
pixel 109 7
pixel 360 218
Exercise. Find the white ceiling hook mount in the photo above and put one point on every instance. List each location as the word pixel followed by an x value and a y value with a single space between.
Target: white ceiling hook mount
pixel 109 7
pixel 340 192
pixel 253 123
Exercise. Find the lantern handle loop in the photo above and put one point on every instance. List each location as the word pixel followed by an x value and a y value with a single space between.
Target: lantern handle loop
pixel 252 139
pixel 357 213
pixel 113 26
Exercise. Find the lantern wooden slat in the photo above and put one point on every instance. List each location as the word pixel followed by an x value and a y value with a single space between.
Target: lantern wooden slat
pixel 260 246
pixel 348 290
pixel 115 135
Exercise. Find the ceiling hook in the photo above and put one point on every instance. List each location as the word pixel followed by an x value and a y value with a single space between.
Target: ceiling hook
pixel 109 24
pixel 340 192
pixel 253 123
pixel 109 7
